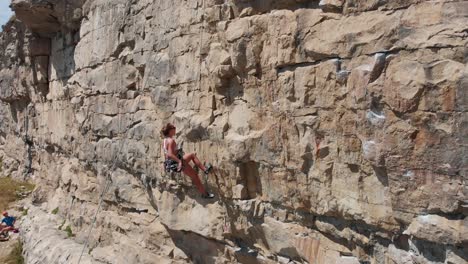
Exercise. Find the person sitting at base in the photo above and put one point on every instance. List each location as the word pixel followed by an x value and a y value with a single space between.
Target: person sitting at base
pixel 8 223
pixel 176 161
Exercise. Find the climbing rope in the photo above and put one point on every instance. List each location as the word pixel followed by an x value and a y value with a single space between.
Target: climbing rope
pixel 107 184
pixel 104 191
pixel 101 199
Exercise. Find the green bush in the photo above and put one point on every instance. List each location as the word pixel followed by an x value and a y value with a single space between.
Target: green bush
pixel 69 231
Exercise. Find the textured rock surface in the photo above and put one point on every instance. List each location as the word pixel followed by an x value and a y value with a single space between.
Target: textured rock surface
pixel 338 129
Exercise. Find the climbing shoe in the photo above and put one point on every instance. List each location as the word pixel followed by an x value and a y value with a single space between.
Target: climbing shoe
pixel 207 195
pixel 208 167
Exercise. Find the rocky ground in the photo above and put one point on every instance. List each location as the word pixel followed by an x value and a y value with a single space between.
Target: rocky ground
pixel 7 247
pixel 338 129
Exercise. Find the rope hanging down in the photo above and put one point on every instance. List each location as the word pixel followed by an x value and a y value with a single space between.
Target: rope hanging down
pixel 108 182
pixel 104 191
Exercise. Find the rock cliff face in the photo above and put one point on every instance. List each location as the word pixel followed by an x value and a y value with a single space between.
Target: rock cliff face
pixel 338 129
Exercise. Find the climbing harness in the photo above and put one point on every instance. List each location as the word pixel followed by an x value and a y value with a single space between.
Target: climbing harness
pixel 169 164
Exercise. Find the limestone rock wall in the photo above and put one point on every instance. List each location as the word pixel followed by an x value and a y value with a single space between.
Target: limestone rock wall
pixel 338 129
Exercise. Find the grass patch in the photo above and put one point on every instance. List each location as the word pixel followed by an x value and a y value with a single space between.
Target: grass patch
pixel 9 189
pixel 16 255
pixel 55 211
pixel 69 231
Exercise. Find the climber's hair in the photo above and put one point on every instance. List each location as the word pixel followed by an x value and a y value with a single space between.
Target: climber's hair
pixel 166 129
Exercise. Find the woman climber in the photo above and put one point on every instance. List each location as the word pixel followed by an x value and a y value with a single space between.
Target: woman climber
pixel 176 160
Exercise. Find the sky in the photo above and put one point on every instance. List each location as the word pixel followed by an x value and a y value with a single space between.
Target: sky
pixel 5 12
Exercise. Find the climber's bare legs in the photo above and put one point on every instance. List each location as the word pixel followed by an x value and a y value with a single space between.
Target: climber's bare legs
pixel 193 157
pixel 189 171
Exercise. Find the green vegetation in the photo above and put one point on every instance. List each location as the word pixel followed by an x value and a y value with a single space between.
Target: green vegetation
pixel 55 211
pixel 16 255
pixel 69 231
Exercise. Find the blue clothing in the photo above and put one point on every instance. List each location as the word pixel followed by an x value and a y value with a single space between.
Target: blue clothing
pixel 9 220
